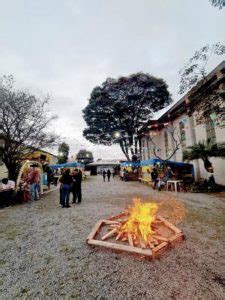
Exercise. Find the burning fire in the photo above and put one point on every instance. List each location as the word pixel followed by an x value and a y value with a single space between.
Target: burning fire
pixel 141 216
pixel 146 232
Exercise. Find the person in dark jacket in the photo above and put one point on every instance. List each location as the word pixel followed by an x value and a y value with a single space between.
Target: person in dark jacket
pixel 76 186
pixel 66 183
pixel 49 175
pixel 108 174
pixel 154 176
pixel 104 175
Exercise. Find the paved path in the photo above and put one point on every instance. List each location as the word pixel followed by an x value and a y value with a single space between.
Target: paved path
pixel 43 251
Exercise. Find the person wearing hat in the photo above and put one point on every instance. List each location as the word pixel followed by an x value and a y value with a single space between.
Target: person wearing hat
pixel 34 181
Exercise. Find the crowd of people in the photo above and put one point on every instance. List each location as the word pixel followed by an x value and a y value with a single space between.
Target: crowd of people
pixel 29 186
pixel 161 182
pixel 30 183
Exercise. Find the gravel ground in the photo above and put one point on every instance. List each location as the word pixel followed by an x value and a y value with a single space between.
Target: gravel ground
pixel 43 253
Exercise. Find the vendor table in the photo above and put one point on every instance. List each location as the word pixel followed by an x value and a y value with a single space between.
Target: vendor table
pixel 171 182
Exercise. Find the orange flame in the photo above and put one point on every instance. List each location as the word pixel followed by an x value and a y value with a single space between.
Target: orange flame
pixel 141 216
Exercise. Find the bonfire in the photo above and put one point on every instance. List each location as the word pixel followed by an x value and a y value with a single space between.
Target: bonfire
pixel 139 229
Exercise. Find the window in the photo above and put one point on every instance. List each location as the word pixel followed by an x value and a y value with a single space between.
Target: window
pixel 182 134
pixel 148 148
pixel 166 143
pixel 210 131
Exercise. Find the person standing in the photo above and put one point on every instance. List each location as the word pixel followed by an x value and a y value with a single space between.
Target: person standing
pixel 8 188
pixel 108 174
pixel 104 175
pixel 34 181
pixel 154 176
pixel 49 176
pixel 76 186
pixel 56 177
pixel 66 183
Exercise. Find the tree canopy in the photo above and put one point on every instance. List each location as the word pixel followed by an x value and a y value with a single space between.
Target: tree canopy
pixel 84 157
pixel 63 152
pixel 204 150
pixel 24 124
pixel 218 3
pixel 211 99
pixel 119 108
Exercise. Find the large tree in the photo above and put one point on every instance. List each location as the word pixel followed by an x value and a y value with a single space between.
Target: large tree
pixel 63 152
pixel 119 108
pixel 24 124
pixel 85 157
pixel 218 3
pixel 208 96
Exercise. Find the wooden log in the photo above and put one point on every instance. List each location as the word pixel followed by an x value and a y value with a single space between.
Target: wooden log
pixel 142 243
pixel 151 245
pixel 135 250
pixel 176 238
pixel 160 238
pixel 94 230
pixel 119 236
pixel 157 222
pixel 135 242
pixel 114 226
pixel 159 248
pixel 115 217
pixel 110 228
pixel 124 239
pixel 170 225
pixel 153 241
pixel 109 222
pixel 109 234
pixel 130 240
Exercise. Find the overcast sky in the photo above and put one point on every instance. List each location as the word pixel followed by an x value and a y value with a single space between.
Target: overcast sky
pixel 67 47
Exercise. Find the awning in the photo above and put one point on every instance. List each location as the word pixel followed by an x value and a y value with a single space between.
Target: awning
pixel 152 161
pixel 130 164
pixel 67 165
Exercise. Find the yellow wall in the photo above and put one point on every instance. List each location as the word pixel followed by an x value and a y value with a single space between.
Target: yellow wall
pixel 146 172
pixel 37 154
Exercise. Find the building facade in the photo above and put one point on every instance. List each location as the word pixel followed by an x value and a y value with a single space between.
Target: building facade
pixel 177 129
pixel 99 166
pixel 40 156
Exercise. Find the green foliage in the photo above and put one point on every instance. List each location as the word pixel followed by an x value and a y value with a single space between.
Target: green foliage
pixel 85 157
pixel 207 96
pixel 63 152
pixel 123 106
pixel 195 70
pixel 218 3
pixel 204 150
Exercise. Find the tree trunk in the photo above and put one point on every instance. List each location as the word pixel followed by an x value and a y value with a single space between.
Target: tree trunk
pixel 13 170
pixel 125 152
pixel 207 163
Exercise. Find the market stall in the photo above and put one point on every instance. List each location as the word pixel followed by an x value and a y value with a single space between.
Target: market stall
pixel 23 173
pixel 129 171
pixel 57 169
pixel 179 170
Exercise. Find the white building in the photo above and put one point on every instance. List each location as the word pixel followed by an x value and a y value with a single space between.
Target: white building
pixel 103 165
pixel 178 117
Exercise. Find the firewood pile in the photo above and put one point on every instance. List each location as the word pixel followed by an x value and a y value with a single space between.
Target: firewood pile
pixel 109 233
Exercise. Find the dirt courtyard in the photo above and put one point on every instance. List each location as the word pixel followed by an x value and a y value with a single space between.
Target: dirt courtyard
pixel 43 253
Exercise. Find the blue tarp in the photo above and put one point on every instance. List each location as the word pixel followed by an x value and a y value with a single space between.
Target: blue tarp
pixel 152 161
pixel 130 164
pixel 67 165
